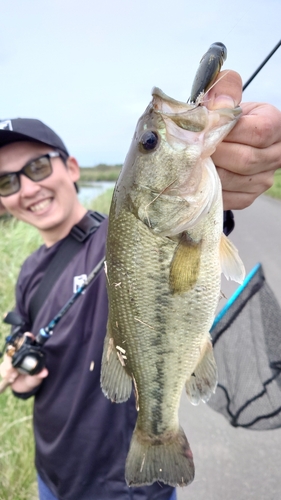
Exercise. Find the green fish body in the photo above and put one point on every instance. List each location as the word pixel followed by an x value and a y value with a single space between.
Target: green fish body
pixel 165 255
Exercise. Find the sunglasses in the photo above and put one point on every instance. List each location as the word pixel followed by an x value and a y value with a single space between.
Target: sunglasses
pixel 37 170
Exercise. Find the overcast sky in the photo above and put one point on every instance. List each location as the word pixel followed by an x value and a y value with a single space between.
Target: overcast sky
pixel 86 67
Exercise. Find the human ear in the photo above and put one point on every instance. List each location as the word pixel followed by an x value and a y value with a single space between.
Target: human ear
pixel 73 168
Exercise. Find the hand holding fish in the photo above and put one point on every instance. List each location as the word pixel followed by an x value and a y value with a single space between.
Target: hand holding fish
pixel 247 159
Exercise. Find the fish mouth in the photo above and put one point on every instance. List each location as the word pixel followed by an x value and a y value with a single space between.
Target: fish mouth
pixel 181 119
pixel 182 112
pixel 168 104
pixel 186 122
pixel 186 116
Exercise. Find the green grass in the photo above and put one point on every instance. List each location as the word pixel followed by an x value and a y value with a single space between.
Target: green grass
pixel 17 473
pixel 102 202
pixel 275 190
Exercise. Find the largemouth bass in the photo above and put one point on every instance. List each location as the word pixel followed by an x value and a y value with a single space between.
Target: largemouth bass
pixel 165 255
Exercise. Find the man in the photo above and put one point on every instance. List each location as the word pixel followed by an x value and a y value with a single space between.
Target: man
pixel 82 438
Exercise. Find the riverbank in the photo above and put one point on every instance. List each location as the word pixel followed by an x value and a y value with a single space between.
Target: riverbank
pixel 99 173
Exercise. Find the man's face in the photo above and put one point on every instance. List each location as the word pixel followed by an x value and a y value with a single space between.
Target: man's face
pixel 48 204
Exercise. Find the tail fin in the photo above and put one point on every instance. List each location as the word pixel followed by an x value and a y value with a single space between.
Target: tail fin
pixel 167 459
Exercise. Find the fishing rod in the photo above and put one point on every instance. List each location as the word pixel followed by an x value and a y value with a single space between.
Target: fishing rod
pixel 261 65
pixel 45 333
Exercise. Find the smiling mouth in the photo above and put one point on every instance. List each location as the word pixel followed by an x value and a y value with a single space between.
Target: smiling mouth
pixel 40 206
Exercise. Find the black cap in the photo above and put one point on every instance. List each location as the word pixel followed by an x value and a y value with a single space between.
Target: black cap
pixel 29 129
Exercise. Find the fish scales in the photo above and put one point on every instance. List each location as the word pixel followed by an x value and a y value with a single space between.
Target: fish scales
pixel 164 260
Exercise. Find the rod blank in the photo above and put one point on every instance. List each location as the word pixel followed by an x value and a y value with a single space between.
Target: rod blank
pixel 261 65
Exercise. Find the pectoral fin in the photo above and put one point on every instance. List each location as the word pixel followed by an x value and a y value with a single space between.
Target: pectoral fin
pixel 185 265
pixel 231 264
pixel 116 383
pixel 203 381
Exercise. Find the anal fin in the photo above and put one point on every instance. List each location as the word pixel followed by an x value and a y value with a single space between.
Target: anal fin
pixel 116 383
pixel 202 383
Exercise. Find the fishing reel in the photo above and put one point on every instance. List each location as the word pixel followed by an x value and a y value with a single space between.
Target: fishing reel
pixel 27 355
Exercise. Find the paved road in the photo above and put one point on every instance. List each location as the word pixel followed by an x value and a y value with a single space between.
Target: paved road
pixel 238 464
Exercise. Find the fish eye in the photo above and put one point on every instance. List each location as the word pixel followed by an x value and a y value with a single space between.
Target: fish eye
pixel 149 140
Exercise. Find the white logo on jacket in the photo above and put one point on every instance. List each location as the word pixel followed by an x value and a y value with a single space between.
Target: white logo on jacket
pixel 79 281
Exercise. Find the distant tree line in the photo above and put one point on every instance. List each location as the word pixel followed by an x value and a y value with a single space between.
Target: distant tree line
pixel 100 172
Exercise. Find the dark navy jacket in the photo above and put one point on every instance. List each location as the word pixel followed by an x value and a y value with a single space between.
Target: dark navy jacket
pixel 82 439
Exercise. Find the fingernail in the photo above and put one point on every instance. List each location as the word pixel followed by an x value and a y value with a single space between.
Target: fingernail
pixel 223 101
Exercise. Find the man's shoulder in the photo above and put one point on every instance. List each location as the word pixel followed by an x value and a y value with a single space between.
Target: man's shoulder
pixel 98 238
pixel 35 256
pixel 39 260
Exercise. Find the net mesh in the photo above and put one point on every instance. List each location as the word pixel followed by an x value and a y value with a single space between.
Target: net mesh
pixel 247 346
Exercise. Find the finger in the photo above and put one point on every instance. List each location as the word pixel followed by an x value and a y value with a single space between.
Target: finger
pixel 240 191
pixel 259 126
pixel 237 201
pixel 43 374
pixel 225 92
pixel 26 383
pixel 6 368
pixel 3 385
pixel 251 184
pixel 9 380
pixel 246 160
pixel 29 334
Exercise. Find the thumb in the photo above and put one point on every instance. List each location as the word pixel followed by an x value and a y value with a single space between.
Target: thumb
pixel 43 374
pixel 226 91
